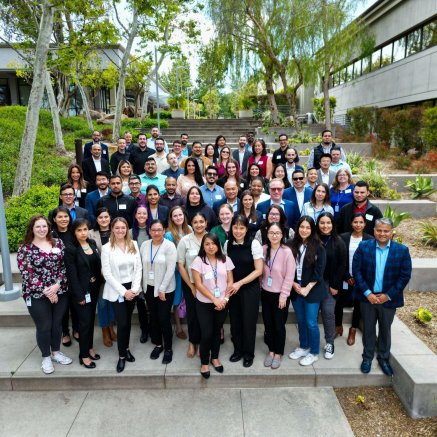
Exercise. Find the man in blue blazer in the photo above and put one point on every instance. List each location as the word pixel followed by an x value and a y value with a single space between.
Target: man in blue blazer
pixel 276 189
pixel 96 136
pixel 102 183
pixel 298 193
pixel 381 269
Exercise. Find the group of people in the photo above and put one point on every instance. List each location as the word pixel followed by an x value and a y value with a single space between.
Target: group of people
pixel 213 232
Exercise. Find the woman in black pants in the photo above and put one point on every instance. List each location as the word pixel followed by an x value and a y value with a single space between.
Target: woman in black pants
pixel 212 274
pixel 83 265
pixel 247 254
pixel 122 270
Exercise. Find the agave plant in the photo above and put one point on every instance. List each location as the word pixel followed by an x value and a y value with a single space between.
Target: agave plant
pixel 395 216
pixel 421 187
pixel 429 236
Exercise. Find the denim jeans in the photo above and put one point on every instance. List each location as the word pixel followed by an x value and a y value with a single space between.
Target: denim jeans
pixel 309 333
pixel 105 312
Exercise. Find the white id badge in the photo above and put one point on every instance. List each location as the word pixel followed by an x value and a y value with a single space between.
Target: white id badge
pixel 151 274
pixel 336 208
pixel 269 281
pixel 369 217
pixel 299 273
pixel 121 299
pixel 216 292
pixel 87 298
pixel 29 301
pixel 348 191
pixel 121 206
pixel 218 197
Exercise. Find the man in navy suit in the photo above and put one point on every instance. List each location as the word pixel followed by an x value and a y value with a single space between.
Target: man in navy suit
pixel 102 182
pixel 298 193
pixel 276 189
pixel 381 269
pixel 67 198
pixel 242 155
pixel 231 192
pixel 91 166
pixel 96 140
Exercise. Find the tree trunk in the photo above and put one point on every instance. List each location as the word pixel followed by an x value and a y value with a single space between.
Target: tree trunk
pixel 272 100
pixel 24 167
pixel 291 99
pixel 64 94
pixel 327 102
pixel 59 139
pixel 326 68
pixel 121 88
pixel 85 105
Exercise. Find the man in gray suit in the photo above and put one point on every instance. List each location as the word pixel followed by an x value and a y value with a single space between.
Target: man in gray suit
pixel 241 155
pixel 324 174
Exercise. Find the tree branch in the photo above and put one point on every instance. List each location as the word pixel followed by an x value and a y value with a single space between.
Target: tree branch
pixel 118 18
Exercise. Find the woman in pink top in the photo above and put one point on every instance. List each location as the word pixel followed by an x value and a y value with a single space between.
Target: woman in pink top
pixel 212 275
pixel 259 156
pixel 277 279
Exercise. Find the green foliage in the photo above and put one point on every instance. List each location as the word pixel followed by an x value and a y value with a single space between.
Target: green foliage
pixel 406 131
pixel 135 123
pixel 402 162
pixel 355 161
pixel 429 236
pixel 211 102
pixel 395 216
pixel 422 315
pixel 302 137
pixel 38 200
pixel 164 115
pixel 177 80
pixel 429 131
pixel 384 124
pixel 361 120
pixel 179 102
pixel 319 107
pixel 421 187
pixel 378 185
pixel 305 152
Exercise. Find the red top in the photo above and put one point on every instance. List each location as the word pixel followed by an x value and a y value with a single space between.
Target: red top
pixel 262 163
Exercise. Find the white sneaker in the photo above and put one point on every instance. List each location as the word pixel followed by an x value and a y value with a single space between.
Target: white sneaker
pixel 60 358
pixel 47 366
pixel 308 360
pixel 329 351
pixel 298 353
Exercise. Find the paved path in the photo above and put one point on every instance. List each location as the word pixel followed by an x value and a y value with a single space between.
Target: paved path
pixel 177 413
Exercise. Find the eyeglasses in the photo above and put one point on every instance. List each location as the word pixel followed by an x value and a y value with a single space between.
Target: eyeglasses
pixel 298 179
pixel 225 151
pixel 67 195
pixel 156 230
pixel 276 189
pixel 212 174
pixel 274 234
pixel 134 183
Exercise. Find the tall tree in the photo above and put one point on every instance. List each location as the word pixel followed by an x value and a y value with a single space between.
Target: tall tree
pixel 24 168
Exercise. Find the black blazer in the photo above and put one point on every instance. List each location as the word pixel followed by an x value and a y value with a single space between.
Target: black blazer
pixel 335 263
pixel 79 271
pixel 236 156
pixel 347 239
pixel 313 273
pixel 89 171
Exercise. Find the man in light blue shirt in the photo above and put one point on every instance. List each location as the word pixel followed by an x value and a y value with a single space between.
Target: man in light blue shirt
pixel 211 192
pixel 151 141
pixel 152 177
pixel 337 163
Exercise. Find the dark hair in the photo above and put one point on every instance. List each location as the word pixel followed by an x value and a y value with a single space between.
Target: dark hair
pixel 248 176
pixel 219 255
pixel 297 159
pixel 268 243
pixel 141 133
pixel 66 187
pixel 102 173
pixel 282 223
pixel 134 177
pixel 217 139
pixel 312 242
pixel 55 213
pixel 182 134
pixel 148 159
pixel 325 155
pixel 358 214
pixel 211 167
pixel 160 138
pixel 326 130
pixel 157 221
pixel 206 148
pixel 237 173
pixel 196 142
pixel 334 236
pixel 327 200
pixel 82 182
pixel 151 187
pixel 101 211
pixel 252 213
pixel 240 219
pixel 177 142
pixel 283 135
pixel 135 227
pixel 263 144
pixel 114 176
pixel 201 215
pixel 311 168
pixel 197 173
pixel 201 203
pixel 285 178
pixel 29 236
pixel 362 184
pixel 298 171
pixel 77 223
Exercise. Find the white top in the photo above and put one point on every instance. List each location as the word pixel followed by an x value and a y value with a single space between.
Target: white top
pixel 353 246
pixel 308 209
pixel 256 249
pixel 97 164
pixel 300 198
pixel 262 198
pixel 188 249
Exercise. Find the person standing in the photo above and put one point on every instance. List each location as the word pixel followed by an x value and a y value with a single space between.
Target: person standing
pixel 96 136
pixel 173 168
pixel 246 253
pixel 324 147
pixel 139 154
pixel 120 155
pixel 170 198
pixel 212 275
pixel 241 155
pixel 341 191
pixel 76 180
pixel 94 164
pixel 279 154
pixel 260 157
pixel 67 198
pixel 247 208
pixel 121 268
pixel 159 261
pixel 102 183
pixel 299 194
pixel 319 203
pixel 211 192
pixel 160 156
pixel 82 261
pixel 44 283
pixel 324 174
pixel 192 177
pixel 196 204
pixel 276 282
pixel 225 217
pixel 308 289
pixel 382 269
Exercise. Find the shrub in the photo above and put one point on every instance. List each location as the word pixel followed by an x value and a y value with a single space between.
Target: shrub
pixel 362 120
pixel 421 187
pixel 355 161
pixel 429 131
pixel 406 130
pixel 429 236
pixel 135 123
pixel 395 216
pixel 384 124
pixel 422 315
pixel 378 185
pixel 402 162
pixel 38 200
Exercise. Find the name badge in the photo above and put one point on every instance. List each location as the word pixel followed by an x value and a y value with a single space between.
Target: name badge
pixel 121 299
pixel 208 275
pixel 369 217
pixel 104 152
pixel 260 162
pixel 29 301
pixel 78 195
pixel 83 190
pixel 269 281
pixel 299 273
pixel 348 191
pixel 216 292
pixel 87 298
pixel 121 206
pixel 218 196
pixel 151 275
pixel 336 208
pixel 193 252
pixel 76 203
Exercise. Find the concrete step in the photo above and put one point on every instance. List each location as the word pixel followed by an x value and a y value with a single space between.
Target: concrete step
pixel 417 208
pixel 398 181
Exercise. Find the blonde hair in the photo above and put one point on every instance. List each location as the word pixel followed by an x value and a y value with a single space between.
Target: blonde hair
pixel 173 229
pixel 128 240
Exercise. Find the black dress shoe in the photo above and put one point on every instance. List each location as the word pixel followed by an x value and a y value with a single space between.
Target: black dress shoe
pixel 156 352
pixel 385 366
pixel 95 357
pixel 91 365
pixel 247 362
pixel 168 357
pixel 218 369
pixel 235 357
pixel 129 357
pixel 206 374
pixel 120 365
pixel 144 337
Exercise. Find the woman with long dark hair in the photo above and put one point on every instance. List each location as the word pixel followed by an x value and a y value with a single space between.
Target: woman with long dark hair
pixel 224 158
pixel 79 184
pixel 346 296
pixel 319 203
pixel 44 283
pixel 210 153
pixel 246 253
pixel 195 204
pixel 232 172
pixel 260 157
pixel 275 214
pixel 212 275
pixel 100 234
pixel 280 173
pixel 247 208
pixel 333 275
pixel 309 289
pixel 83 265
pixel 219 143
pixel 277 279
pixel 192 177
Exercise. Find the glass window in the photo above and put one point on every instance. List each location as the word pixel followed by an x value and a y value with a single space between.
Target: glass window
pixel 357 68
pixel 386 54
pixel 340 77
pixel 365 65
pixel 345 73
pixel 413 42
pixel 350 71
pixel 23 91
pixel 429 35
pixel 376 60
pixel 399 49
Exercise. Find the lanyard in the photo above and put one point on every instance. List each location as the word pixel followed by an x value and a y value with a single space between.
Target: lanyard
pixel 152 258
pixel 214 271
pixel 271 262
pixel 151 213
pixel 302 256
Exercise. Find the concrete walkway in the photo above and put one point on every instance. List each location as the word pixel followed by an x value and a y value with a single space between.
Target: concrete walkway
pixel 178 413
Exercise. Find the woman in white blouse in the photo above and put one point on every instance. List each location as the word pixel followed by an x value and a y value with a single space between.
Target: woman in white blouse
pixel 121 267
pixel 159 261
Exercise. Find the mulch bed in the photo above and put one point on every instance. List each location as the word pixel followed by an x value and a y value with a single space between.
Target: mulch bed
pixel 411 233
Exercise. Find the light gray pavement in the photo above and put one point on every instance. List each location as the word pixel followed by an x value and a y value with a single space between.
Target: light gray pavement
pixel 178 413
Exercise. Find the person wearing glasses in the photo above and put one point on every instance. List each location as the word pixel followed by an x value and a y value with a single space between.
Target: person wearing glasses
pixel 211 192
pixel 135 190
pixel 223 159
pixel 298 193
pixel 67 198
